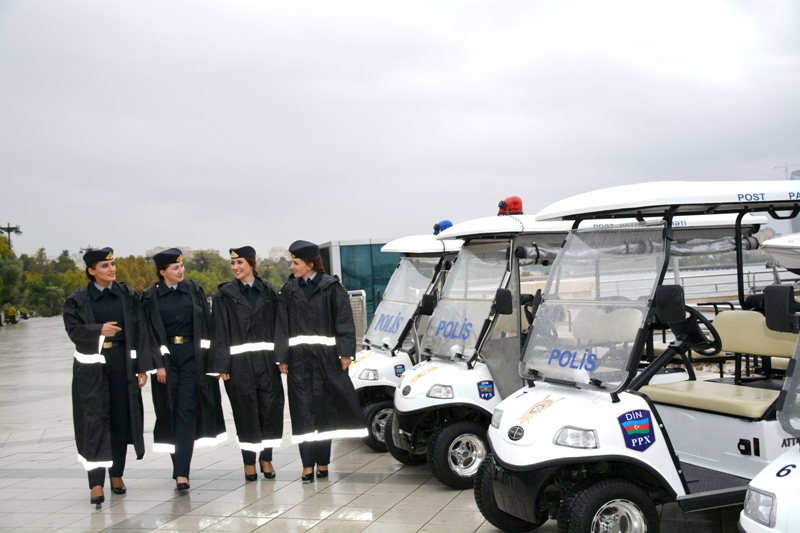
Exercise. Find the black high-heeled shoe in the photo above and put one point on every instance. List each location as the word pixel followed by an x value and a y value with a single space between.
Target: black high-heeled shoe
pixel 118 490
pixel 322 473
pixel 96 500
pixel 307 478
pixel 267 475
pixel 181 486
pixel 251 477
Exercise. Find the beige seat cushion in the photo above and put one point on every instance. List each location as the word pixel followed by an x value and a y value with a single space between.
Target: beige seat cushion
pixel 746 332
pixel 736 400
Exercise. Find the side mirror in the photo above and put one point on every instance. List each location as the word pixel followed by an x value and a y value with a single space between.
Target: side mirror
pixel 779 309
pixel 669 304
pixel 503 302
pixel 427 305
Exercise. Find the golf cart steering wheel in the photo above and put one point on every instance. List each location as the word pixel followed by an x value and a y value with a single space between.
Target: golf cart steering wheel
pixel 698 340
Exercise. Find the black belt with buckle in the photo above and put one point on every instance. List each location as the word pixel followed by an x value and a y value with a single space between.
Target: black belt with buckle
pixel 111 344
pixel 179 340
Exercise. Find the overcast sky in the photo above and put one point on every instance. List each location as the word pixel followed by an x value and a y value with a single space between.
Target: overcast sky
pixel 218 124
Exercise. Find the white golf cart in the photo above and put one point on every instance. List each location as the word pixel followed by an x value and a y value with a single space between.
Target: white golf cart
pixel 471 349
pixel 473 340
pixel 772 503
pixel 590 440
pixel 390 337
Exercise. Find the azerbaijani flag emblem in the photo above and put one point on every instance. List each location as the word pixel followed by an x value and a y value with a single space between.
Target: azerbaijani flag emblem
pixel 637 431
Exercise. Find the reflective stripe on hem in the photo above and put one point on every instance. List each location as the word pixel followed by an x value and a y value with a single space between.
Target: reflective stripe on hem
pixel 164 350
pixel 252 347
pixel 325 435
pixel 89 359
pixel 205 343
pixel 312 339
pixel 163 448
pixel 210 441
pixel 91 465
pixel 258 446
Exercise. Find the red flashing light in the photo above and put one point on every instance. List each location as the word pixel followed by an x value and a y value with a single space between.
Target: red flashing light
pixel 510 206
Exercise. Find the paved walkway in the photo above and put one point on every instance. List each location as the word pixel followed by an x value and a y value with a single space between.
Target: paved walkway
pixel 44 488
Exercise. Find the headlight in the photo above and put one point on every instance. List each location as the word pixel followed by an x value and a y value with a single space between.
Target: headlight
pixel 443 392
pixel 760 506
pixel 497 416
pixel 368 374
pixel 577 438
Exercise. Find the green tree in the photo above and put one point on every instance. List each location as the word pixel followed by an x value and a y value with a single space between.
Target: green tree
pixel 12 277
pixel 52 302
pixel 73 279
pixel 135 271
pixel 63 264
pixel 274 272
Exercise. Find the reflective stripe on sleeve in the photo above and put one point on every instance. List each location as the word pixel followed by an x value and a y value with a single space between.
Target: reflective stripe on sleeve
pixel 325 435
pixel 163 448
pixel 91 465
pixel 89 359
pixel 205 343
pixel 210 441
pixel 213 374
pixel 164 350
pixel 133 354
pixel 312 339
pixel 252 347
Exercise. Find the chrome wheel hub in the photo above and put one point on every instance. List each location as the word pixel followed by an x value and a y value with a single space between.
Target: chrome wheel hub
pixel 379 424
pixel 465 454
pixel 619 516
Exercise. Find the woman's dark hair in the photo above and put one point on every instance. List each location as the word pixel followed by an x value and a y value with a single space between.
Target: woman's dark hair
pixel 92 266
pixel 252 262
pixel 159 268
pixel 316 263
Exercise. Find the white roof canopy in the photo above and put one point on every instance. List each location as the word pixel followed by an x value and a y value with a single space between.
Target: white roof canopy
pixel 422 244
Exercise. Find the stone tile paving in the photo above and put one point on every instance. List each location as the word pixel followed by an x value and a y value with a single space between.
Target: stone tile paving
pixel 43 488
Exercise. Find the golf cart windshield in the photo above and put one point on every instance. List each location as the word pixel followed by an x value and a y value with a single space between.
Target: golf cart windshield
pixel 789 416
pixel 595 304
pixel 466 299
pixel 407 285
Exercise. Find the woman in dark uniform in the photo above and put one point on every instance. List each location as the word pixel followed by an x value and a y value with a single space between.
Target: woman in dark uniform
pixel 243 344
pixel 322 342
pixel 102 320
pixel 176 332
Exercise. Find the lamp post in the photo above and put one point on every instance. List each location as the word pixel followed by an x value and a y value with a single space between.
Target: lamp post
pixel 8 228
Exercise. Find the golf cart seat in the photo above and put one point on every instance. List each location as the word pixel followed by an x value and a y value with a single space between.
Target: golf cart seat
pixel 734 400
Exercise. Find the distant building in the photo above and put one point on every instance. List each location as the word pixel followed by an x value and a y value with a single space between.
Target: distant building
pixel 278 253
pixel 187 252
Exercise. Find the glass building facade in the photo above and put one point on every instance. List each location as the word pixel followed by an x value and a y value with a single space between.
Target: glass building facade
pixel 361 266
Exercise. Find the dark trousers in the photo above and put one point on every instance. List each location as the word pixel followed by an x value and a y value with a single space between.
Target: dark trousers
pixel 184 409
pixel 120 415
pixel 249 458
pixel 315 453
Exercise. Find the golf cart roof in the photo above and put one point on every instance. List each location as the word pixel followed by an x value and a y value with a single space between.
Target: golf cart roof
pixel 689 198
pixel 786 250
pixel 532 224
pixel 422 244
pixel 503 225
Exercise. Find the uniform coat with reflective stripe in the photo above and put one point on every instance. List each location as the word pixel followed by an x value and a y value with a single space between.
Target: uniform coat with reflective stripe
pixel 257 401
pixel 322 400
pixel 90 396
pixel 210 420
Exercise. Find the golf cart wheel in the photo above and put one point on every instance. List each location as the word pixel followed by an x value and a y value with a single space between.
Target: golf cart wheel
pixel 405 457
pixel 376 414
pixel 487 505
pixel 455 452
pixel 612 504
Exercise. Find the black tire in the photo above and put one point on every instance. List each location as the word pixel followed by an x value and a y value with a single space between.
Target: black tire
pixel 375 414
pixel 407 458
pixel 617 502
pixel 455 452
pixel 487 505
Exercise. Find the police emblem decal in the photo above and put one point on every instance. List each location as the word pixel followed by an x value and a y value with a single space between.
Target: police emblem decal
pixel 399 369
pixel 516 433
pixel 637 429
pixel 486 389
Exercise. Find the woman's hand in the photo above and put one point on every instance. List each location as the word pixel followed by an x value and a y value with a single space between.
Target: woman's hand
pixel 142 379
pixel 110 329
pixel 284 368
pixel 161 375
pixel 346 362
pixel 225 377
